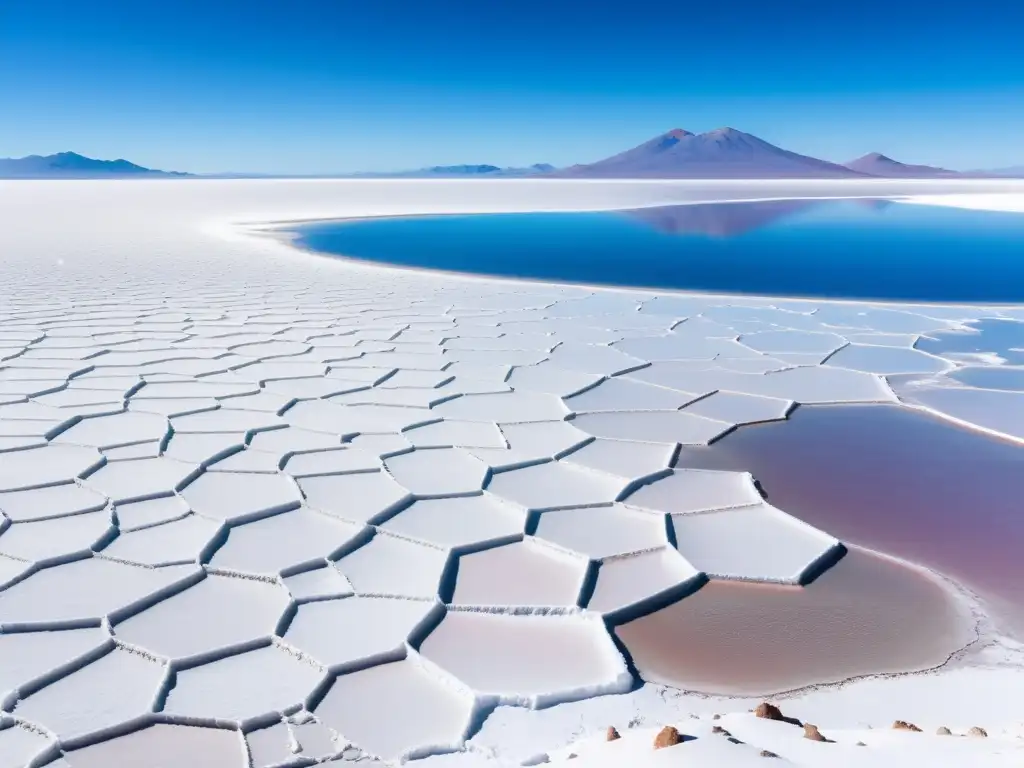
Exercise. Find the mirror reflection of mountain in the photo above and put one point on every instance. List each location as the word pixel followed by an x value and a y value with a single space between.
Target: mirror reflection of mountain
pixel 875 204
pixel 720 219
pixel 732 219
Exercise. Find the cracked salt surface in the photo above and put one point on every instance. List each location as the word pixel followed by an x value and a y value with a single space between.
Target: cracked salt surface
pixel 178 746
pixel 601 532
pixel 324 629
pixel 389 565
pixel 270 746
pixel 523 573
pixel 458 522
pixel 261 474
pixel 273 544
pixel 178 541
pixel 397 710
pixel 42 540
pixel 624 582
pixel 119 687
pixel 243 687
pixel 216 613
pixel 534 660
pixel 82 591
pixel 32 655
pixel 20 745
pixel 755 543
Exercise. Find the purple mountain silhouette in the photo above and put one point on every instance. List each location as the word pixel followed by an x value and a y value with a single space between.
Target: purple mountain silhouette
pixel 876 164
pixel 719 219
pixel 723 153
pixel 1014 172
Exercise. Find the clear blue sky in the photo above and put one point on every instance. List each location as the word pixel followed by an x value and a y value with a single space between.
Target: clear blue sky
pixel 309 86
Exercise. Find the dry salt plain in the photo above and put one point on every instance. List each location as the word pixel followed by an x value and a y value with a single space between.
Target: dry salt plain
pixel 262 507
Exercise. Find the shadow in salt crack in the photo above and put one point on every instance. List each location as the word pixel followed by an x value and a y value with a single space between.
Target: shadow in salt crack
pixel 866 615
pixel 898 481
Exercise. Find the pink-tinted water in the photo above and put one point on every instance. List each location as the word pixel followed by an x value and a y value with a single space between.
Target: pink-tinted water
pixel 867 615
pixel 898 481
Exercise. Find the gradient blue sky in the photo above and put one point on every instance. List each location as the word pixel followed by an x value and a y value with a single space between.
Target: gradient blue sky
pixel 312 86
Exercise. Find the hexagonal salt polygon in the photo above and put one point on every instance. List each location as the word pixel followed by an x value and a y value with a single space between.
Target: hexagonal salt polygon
pixel 289 539
pixel 437 471
pixel 755 543
pixel 234 497
pixel 46 465
pixel 532 660
pixel 324 629
pixel 694 490
pixel 522 573
pixel 555 484
pixel 398 710
pixel 364 497
pixel 243 687
pixel 216 613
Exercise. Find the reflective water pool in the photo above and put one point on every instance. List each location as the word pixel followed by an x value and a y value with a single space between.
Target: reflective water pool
pixel 844 249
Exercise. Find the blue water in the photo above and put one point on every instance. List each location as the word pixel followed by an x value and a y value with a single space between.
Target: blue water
pixel 837 249
pixel 990 335
pixel 994 377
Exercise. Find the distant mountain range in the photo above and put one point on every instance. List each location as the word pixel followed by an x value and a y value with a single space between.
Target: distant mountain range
pixel 725 153
pixel 462 171
pixel 1016 171
pixel 71 165
pixel 876 164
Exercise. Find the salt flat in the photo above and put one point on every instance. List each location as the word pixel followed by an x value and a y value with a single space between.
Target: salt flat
pixel 217 453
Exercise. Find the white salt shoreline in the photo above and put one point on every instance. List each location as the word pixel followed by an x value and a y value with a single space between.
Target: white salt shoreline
pixel 738 740
pixel 981 202
pixel 152 242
